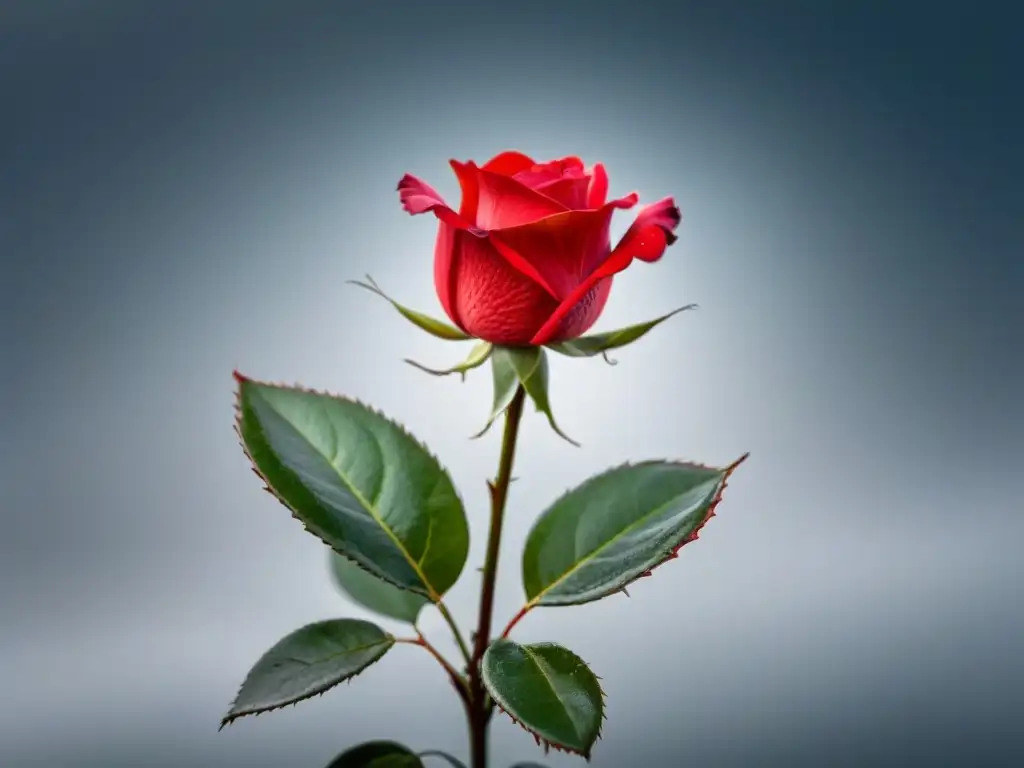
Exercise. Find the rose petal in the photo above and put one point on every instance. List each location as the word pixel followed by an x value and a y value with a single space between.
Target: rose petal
pixel 561 250
pixel 597 193
pixel 646 239
pixel 563 180
pixel 584 313
pixel 570 192
pixel 505 202
pixel 419 197
pixel 546 173
pixel 509 163
pixel 495 301
pixel 466 173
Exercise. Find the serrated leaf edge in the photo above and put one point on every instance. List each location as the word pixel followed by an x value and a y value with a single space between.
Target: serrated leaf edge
pixel 388 643
pixel 541 741
pixel 671 554
pixel 241 378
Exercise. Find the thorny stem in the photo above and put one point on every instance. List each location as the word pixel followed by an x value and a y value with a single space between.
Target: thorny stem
pixel 479 710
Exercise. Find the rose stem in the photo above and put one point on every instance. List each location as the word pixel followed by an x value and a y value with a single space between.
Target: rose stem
pixel 479 714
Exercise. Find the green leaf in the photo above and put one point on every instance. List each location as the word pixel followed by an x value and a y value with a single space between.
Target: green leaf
pixel 455 763
pixel 377 754
pixel 600 343
pixel 528 366
pixel 616 527
pixel 357 481
pixel 373 593
pixel 548 690
pixel 478 355
pixel 308 662
pixel 431 325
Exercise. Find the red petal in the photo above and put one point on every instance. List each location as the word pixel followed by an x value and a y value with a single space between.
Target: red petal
pixel 561 250
pixel 598 191
pixel 509 163
pixel 494 301
pixel 448 240
pixel 545 173
pixel 570 192
pixel 505 202
pixel 652 231
pixel 646 239
pixel 467 176
pixel 584 313
pixel 419 197
pixel 563 180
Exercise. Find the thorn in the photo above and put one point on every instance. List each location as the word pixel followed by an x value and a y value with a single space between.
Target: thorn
pixel 625 592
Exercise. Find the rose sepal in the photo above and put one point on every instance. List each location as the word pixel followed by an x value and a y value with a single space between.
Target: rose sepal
pixel 478 355
pixel 526 366
pixel 431 325
pixel 600 343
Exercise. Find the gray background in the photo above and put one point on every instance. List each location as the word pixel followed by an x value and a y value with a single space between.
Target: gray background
pixel 184 188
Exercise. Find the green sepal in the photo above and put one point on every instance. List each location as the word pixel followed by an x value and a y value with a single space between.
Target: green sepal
pixel 431 325
pixel 600 343
pixel 308 662
pixel 374 593
pixel 528 366
pixel 377 754
pixel 478 355
pixel 617 527
pixel 548 690
pixel 357 481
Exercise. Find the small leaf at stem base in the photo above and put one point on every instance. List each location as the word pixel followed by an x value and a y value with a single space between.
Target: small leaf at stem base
pixel 377 754
pixel 548 690
pixel 308 662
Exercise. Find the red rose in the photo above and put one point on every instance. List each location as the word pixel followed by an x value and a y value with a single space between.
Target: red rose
pixel 527 260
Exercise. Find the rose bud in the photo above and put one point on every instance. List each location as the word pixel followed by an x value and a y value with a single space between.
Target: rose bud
pixel 527 259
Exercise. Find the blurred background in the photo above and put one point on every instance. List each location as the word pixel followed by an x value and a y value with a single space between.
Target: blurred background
pixel 184 189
